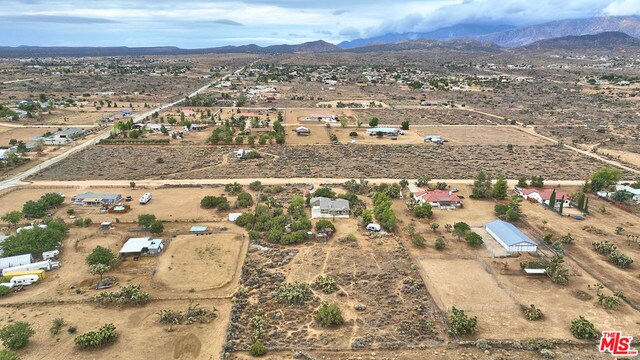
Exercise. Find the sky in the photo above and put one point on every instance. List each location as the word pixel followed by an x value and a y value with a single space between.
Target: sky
pixel 202 23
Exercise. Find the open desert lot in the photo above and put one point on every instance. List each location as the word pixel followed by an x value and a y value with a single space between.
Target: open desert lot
pixel 481 135
pixel 23 134
pixel 115 162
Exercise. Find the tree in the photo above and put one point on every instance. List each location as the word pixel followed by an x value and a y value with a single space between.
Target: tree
pixel 255 186
pixel 448 227
pixel 99 269
pixel 36 240
pixel 16 335
pixel 440 244
pixel 552 199
pixel 423 181
pixel 157 227
pixel 441 185
pixel 12 217
pixel 325 192
pixel 233 188
pixel 329 315
pixel 101 255
pixel 522 182
pixel 404 125
pixel 8 355
pixel 481 186
pixel 621 196
pixel 474 239
pixel 367 217
pixel 460 229
pixel 374 122
pixel 434 226
pixel 51 200
pixel 581 328
pixel 460 324
pixel 36 209
pixel 500 188
pixel 145 220
pixel 604 178
pixel 423 211
pixel 324 224
pixel 537 181
pixel 245 200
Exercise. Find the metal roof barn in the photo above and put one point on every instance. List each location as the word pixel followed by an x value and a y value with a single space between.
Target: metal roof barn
pixel 510 237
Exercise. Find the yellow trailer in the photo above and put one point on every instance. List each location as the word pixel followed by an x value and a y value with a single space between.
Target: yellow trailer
pixel 40 273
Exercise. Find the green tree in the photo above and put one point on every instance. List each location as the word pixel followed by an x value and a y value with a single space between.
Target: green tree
pixel 255 186
pixel 16 336
pixel 374 122
pixel 522 182
pixel 537 181
pixel 552 199
pixel 101 255
pixel 367 217
pixel 423 211
pixel 12 217
pixel 581 328
pixel 423 181
pixel 99 269
pixel 35 240
pixel 51 200
pixel 157 227
pixel 244 200
pixel 36 209
pixel 440 244
pixel 324 224
pixel 434 226
pixel 325 192
pixel 8 355
pixel 604 178
pixel 500 188
pixel 233 188
pixel 145 220
pixel 460 229
pixel 404 125
pixel 481 186
pixel 474 239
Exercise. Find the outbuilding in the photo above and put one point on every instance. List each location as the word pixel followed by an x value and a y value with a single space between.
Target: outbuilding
pixel 510 237
pixel 142 246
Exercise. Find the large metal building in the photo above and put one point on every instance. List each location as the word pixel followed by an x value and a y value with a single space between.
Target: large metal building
pixel 510 237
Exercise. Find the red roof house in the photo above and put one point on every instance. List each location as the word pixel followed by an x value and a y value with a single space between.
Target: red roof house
pixel 438 198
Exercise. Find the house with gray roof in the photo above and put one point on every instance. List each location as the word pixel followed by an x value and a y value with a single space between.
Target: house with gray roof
pixel 323 207
pixel 96 199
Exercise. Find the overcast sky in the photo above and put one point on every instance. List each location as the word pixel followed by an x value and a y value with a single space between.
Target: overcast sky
pixel 202 23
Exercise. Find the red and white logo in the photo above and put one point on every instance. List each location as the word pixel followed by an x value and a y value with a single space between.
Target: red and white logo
pixel 616 344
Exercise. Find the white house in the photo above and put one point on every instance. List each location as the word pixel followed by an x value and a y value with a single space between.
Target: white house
pixel 543 196
pixel 322 207
pixel 328 118
pixel 142 246
pixel 634 192
pixel 510 237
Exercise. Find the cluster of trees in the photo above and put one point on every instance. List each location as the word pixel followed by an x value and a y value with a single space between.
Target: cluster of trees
pixel 36 240
pixel 462 229
pixel 277 226
pixel 39 208
pixel 511 211
pixel 383 212
pixel 602 179
pixel 215 202
pixel 149 222
pixel 536 182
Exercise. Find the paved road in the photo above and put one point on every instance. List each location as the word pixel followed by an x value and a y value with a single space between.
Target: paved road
pixel 15 180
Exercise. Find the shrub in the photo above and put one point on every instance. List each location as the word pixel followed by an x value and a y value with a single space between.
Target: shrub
pixel 130 294
pixel 87 222
pixel 101 255
pixel 604 247
pixel 440 244
pixel 145 220
pixel 620 260
pixel 295 293
pixel 210 202
pixel 257 349
pixel 531 312
pixel 56 326
pixel 72 330
pixel 157 227
pixel 474 239
pixel 329 315
pixel 4 291
pixel 418 240
pixel 16 335
pixel 423 211
pixel 8 355
pixel 95 339
pixel 582 328
pixel 255 186
pixel 70 211
pixel 461 324
pixel 324 224
pixel 353 134
pixel 233 188
pixel 326 284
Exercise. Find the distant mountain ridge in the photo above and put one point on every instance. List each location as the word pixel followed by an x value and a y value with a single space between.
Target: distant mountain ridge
pixel 459 31
pixel 36 51
pixel 603 41
pixel 423 44
pixel 629 25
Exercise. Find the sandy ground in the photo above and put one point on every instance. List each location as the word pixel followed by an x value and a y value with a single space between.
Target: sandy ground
pixel 25 134
pixel 624 156
pixel 480 135
pixel 200 262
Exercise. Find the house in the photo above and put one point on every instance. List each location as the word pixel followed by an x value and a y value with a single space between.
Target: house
pixel 634 192
pixel 328 118
pixel 323 207
pixel 198 127
pixel 302 131
pixel 442 199
pixel 59 137
pixel 384 131
pixel 96 199
pixel 543 196
pixel 142 246
pixel 13 261
pixel 510 237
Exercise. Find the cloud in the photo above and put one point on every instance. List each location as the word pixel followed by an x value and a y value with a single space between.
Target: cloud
pixel 57 19
pixel 339 12
pixel 324 32
pixel 350 32
pixel 623 7
pixel 227 22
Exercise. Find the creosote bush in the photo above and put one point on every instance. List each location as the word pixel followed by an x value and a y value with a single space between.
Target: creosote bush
pixel 295 293
pixel 329 315
pixel 461 324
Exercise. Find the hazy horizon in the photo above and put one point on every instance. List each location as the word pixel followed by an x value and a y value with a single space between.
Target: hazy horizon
pixel 200 24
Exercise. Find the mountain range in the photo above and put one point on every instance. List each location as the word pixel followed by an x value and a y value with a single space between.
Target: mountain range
pixel 615 31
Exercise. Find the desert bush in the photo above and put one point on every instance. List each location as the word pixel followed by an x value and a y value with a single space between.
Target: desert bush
pixel 257 349
pixel 325 224
pixel 233 188
pixel 325 283
pixel 461 324
pixel 193 314
pixel 245 200
pixel 128 295
pixel 604 247
pixel 440 244
pixel 329 315
pixel 16 336
pixel 96 339
pixel 582 328
pixel 4 291
pixel 474 239
pixel 295 293
pixel 418 240
pixel 531 312
pixel 255 186
pixel 56 326
pixel 619 259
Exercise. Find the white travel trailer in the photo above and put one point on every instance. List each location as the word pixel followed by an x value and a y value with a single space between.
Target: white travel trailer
pixel 23 280
pixel 47 255
pixel 374 227
pixel 145 198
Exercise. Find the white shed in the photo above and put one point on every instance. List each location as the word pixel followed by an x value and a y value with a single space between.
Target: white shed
pixel 510 237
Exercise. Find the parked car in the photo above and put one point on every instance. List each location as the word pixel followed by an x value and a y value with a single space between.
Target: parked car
pixel 454 190
pixel 128 198
pixel 310 186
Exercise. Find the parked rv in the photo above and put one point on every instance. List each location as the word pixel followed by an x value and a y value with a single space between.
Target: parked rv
pixel 374 227
pixel 145 198
pixel 47 255
pixel 23 280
